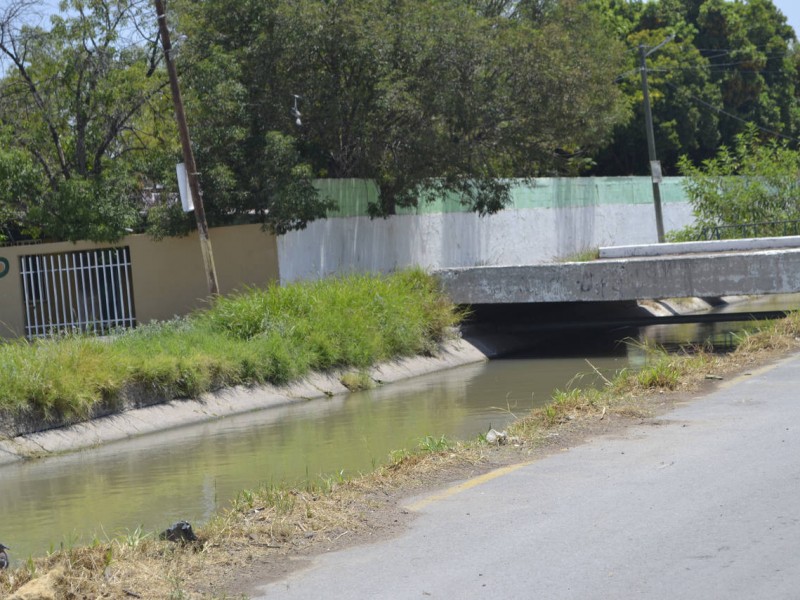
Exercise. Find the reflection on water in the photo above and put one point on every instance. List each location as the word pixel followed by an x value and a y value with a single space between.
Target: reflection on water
pixel 724 335
pixel 188 473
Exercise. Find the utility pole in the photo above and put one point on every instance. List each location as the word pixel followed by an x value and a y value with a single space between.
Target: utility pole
pixel 655 166
pixel 188 155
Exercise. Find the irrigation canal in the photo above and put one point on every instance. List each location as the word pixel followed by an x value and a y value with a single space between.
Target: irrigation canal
pixel 189 473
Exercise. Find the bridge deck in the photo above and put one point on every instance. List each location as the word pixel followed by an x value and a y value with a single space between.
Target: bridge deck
pixel 774 271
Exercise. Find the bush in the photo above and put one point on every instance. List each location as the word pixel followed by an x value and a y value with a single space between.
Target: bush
pixel 754 183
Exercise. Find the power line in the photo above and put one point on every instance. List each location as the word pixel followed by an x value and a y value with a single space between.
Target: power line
pixel 732 116
pixel 676 69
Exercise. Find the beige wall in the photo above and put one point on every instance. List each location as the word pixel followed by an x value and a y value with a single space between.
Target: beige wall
pixel 168 276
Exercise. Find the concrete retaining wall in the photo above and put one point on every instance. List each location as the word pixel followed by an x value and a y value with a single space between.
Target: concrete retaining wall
pixel 177 413
pixel 549 220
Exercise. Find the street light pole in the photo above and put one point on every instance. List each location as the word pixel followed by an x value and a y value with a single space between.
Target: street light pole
pixel 655 167
pixel 188 155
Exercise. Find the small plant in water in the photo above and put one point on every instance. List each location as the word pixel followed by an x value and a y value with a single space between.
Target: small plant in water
pixel 357 380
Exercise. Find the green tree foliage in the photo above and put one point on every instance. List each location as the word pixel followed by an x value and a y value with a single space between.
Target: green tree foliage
pixel 19 189
pixel 426 97
pixel 731 63
pixel 754 182
pixel 85 100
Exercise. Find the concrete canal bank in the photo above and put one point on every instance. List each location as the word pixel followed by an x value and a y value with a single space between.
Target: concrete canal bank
pixel 29 442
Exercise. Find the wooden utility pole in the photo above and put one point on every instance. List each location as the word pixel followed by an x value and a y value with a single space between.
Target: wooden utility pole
pixel 655 167
pixel 188 155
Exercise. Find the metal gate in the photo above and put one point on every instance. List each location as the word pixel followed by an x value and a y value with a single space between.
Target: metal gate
pixel 85 291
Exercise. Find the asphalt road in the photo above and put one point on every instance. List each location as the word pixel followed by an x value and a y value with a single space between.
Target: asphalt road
pixel 703 505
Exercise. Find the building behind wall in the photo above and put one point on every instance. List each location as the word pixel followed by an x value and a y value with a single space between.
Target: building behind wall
pixel 45 288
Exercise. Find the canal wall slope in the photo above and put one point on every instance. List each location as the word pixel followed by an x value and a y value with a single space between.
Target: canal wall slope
pixel 28 440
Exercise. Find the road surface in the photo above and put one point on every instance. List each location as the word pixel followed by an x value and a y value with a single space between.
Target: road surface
pixel 703 504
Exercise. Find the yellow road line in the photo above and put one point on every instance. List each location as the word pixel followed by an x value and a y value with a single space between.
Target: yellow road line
pixel 475 481
pixel 755 372
pixel 452 491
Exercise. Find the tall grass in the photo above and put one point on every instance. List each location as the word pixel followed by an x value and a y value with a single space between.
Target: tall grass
pixel 260 335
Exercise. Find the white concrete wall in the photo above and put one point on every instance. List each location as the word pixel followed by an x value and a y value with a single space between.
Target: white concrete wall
pixel 517 236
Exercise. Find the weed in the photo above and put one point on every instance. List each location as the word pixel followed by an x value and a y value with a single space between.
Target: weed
pixel 434 444
pixel 664 374
pixel 585 255
pixel 277 497
pixel 177 592
pixel 398 456
pixel 30 566
pixel 132 539
pixel 244 500
pixel 357 380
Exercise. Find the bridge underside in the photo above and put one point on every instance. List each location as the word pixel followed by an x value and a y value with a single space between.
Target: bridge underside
pixel 564 327
pixel 620 280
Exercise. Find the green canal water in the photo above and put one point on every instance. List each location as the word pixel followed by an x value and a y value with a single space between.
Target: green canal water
pixel 190 472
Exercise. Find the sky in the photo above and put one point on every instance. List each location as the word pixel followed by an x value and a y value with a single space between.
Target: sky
pixel 791 10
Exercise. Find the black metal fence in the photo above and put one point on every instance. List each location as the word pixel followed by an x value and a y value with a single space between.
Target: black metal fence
pixel 750 230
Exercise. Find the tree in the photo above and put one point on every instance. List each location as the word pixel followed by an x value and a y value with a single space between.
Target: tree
pixel 85 100
pixel 250 162
pixel 730 63
pixel 749 44
pixel 19 188
pixel 428 98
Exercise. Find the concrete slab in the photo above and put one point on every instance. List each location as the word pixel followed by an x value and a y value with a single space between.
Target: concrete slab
pixel 718 274
pixel 742 245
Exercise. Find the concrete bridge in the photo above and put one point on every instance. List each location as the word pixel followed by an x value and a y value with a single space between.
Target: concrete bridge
pixel 697 269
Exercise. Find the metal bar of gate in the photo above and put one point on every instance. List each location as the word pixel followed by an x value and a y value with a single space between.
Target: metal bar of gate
pixel 25 274
pixel 69 259
pixel 63 312
pixel 128 285
pixel 44 291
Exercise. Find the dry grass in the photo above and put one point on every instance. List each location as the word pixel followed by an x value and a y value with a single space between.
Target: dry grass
pixel 266 525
